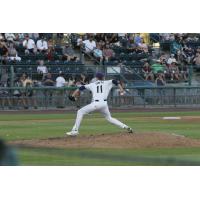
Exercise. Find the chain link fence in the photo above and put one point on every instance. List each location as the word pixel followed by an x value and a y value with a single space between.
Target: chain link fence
pixel 17 98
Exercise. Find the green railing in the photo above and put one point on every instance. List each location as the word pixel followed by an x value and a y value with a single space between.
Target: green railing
pixel 16 98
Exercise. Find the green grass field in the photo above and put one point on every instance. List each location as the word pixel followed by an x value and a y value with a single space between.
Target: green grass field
pixel 41 126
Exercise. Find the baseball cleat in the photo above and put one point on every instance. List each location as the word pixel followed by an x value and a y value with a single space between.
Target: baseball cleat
pixel 72 133
pixel 130 130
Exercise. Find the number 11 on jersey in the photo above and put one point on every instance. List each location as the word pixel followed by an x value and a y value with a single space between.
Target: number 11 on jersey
pixel 99 89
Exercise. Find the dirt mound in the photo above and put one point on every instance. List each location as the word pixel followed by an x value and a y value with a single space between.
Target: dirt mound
pixel 134 141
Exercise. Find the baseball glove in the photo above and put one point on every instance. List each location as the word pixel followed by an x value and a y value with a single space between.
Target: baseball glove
pixel 71 98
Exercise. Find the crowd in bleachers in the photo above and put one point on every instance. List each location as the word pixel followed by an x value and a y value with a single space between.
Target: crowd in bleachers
pixel 59 60
pixel 34 46
pixel 36 55
pixel 24 96
pixel 184 46
pixel 168 67
pixel 132 53
pixel 183 51
pixel 112 48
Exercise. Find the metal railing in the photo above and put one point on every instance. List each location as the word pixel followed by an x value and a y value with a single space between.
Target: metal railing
pixel 15 71
pixel 17 98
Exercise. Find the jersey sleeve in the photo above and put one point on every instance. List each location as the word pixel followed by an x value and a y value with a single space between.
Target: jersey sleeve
pixel 82 88
pixel 115 82
pixel 88 86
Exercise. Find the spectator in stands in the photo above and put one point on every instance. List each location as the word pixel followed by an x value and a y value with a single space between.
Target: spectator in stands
pixel 71 81
pixel 167 36
pixel 130 43
pixel 108 53
pixel 143 46
pixel 100 37
pixel 189 38
pixel 4 75
pixel 24 79
pixel 80 41
pixel 160 81
pixel 146 37
pixel 50 44
pixel 28 93
pixel 137 39
pixel 60 35
pixel 198 50
pixel 3 51
pixel 188 54
pixel 19 39
pixel 163 58
pixel 157 68
pixel 98 53
pixel 34 36
pixel 112 37
pixel 68 53
pixel 41 69
pixel 78 83
pixel 171 59
pixel 1 37
pixel 101 44
pixel 84 79
pixel 60 80
pixel 121 36
pixel 49 36
pixel 147 72
pixel 123 41
pixel 172 37
pixel 174 71
pixel 12 53
pixel 196 60
pixel 42 45
pixel 10 37
pixel 48 80
pixel 89 45
pixel 167 72
pixel 176 48
pixel 29 45
pixel 51 50
pixel 184 71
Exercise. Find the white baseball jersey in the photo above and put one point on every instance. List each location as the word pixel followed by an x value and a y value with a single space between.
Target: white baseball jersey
pixel 100 91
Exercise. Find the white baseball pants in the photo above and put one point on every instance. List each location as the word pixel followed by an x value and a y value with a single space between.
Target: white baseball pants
pixel 100 106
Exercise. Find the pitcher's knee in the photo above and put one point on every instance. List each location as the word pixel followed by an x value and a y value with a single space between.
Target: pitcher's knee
pixel 80 112
pixel 109 118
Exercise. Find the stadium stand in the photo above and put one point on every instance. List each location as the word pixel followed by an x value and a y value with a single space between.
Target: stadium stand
pixel 137 59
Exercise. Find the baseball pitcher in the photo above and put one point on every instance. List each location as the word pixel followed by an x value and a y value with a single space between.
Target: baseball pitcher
pixel 100 90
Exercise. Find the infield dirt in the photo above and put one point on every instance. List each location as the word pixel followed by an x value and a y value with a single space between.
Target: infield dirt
pixel 119 140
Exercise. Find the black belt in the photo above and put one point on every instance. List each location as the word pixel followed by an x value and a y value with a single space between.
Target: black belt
pixel 98 100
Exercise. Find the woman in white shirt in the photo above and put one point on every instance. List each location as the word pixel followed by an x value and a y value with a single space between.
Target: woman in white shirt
pixel 41 69
pixel 60 80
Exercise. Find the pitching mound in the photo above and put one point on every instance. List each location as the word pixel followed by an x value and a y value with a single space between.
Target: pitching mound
pixel 133 141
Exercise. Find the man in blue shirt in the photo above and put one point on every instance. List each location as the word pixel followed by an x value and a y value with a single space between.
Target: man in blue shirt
pixel 137 39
